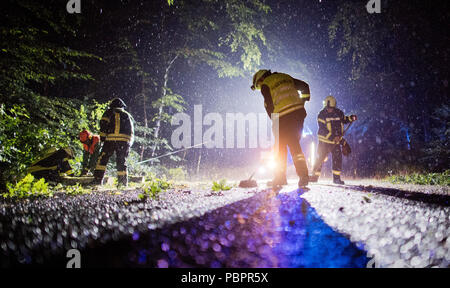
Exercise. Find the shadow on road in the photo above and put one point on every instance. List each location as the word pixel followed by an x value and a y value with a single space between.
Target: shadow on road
pixel 267 230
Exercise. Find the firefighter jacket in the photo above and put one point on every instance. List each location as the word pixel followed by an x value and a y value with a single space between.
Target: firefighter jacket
pixel 331 125
pixel 54 162
pixel 117 125
pixel 284 94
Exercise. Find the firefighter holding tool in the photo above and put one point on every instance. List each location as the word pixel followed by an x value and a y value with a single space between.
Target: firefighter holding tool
pixel 331 122
pixel 284 103
pixel 91 151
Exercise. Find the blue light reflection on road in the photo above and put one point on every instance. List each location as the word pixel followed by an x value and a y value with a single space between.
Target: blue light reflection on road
pixel 307 241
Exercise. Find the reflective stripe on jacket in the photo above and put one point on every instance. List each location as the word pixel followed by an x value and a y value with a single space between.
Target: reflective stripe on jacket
pixel 284 94
pixel 117 125
pixel 331 125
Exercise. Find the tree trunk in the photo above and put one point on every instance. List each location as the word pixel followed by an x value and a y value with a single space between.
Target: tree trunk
pixel 161 105
pixel 145 116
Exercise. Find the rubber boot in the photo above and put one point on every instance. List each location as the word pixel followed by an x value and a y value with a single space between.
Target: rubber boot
pixel 313 178
pixel 97 181
pixel 303 182
pixel 337 180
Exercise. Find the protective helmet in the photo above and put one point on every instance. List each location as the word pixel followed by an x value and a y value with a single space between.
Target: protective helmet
pixel 84 135
pixel 329 102
pixel 258 75
pixel 117 103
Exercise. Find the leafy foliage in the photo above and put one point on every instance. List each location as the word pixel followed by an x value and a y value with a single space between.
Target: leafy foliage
pixel 26 130
pixel 151 188
pixel 28 187
pixel 33 60
pixel 220 186
pixel 34 55
pixel 350 31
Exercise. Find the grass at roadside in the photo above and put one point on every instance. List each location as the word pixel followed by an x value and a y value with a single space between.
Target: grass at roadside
pixel 152 187
pixel 442 179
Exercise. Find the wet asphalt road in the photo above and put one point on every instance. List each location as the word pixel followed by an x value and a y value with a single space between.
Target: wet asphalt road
pixel 198 228
pixel 264 231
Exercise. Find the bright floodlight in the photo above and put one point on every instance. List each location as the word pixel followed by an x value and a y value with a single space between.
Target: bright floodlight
pixel 271 164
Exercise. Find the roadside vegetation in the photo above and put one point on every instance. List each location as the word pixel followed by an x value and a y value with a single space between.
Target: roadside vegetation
pixel 442 179
pixel 72 190
pixel 30 187
pixel 153 186
pixel 221 185
pixel 156 181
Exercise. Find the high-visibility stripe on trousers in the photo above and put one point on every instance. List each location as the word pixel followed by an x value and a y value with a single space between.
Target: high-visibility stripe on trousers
pixel 322 152
pixel 122 149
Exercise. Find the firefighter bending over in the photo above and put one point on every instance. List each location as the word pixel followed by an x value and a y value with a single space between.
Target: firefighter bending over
pixel 91 151
pixel 331 122
pixel 117 133
pixel 281 99
pixel 53 165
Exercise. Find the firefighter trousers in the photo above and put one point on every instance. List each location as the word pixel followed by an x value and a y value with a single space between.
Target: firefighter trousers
pixel 323 150
pixel 290 131
pixel 122 149
pixel 90 160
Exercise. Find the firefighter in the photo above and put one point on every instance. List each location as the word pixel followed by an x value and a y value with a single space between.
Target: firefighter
pixel 53 165
pixel 117 133
pixel 284 104
pixel 91 151
pixel 331 122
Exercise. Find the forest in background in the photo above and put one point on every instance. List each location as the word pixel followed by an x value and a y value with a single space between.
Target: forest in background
pixel 58 70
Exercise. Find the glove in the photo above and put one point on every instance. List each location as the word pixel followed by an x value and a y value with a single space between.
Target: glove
pixel 346 150
pixel 353 117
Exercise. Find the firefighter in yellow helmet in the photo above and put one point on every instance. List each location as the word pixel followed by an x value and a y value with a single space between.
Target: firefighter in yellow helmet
pixel 283 102
pixel 331 122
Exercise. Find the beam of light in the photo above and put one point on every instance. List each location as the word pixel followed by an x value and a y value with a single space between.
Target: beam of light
pixel 306 132
pixel 312 153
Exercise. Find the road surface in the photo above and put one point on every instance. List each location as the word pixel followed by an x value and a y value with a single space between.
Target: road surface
pixel 360 224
